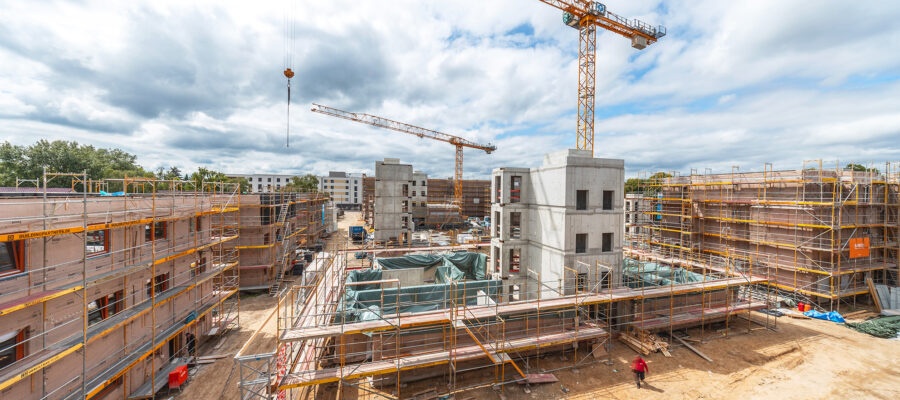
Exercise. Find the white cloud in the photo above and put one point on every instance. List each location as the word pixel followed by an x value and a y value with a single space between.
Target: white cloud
pixel 199 83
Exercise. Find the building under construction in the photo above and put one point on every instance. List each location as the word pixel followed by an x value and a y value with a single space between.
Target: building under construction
pixel 273 226
pixel 449 319
pixel 476 201
pixel 817 233
pixel 101 296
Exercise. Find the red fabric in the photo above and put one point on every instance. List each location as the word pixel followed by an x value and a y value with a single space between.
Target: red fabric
pixel 178 376
pixel 639 365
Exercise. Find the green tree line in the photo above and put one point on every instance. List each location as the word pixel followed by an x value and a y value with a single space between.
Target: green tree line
pixel 28 162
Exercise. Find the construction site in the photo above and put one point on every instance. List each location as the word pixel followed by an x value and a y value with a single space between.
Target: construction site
pixel 545 279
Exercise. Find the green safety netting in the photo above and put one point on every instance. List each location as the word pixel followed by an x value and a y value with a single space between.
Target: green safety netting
pixel 461 274
pixel 645 273
pixel 884 327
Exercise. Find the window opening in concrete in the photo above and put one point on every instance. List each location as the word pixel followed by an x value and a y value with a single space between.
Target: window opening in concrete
pixel 581 199
pixel 514 259
pixel 581 242
pixel 12 257
pixel 607 242
pixel 515 189
pixel 405 190
pixel 497 259
pixel 515 225
pixel 496 223
pixel 581 282
pixel 97 242
pixel 498 187
pixel 607 199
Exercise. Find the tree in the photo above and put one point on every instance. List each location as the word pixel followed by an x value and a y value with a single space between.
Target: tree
pixel 305 183
pixel 204 175
pixel 28 162
pixel 859 167
pixel 644 185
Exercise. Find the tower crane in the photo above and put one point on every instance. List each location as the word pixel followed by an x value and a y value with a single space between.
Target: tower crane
pixel 586 16
pixel 381 122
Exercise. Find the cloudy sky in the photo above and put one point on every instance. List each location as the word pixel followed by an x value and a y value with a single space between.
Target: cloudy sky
pixel 199 83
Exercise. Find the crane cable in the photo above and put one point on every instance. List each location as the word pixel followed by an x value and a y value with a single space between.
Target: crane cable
pixel 290 34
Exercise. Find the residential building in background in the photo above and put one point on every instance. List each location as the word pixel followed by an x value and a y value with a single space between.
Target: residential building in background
pixel 265 183
pixel 345 189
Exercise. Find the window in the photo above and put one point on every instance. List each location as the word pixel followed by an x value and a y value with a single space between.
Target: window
pixel 414 183
pixel 195 224
pixel 105 307
pixel 581 242
pixel 496 223
pixel 161 284
pixel 581 199
pixel 198 267
pixel 156 233
pixel 515 225
pixel 277 179
pixel 97 242
pixel 607 199
pixel 497 187
pixel 259 187
pixel 515 189
pixel 514 260
pixel 12 347
pixel 607 242
pixel 424 184
pixel 627 206
pixel 12 257
pixel 270 180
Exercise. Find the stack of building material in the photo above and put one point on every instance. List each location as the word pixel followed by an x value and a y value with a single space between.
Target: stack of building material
pixel 888 298
pixel 645 342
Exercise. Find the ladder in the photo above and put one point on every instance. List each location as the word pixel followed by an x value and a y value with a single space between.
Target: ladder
pixel 287 251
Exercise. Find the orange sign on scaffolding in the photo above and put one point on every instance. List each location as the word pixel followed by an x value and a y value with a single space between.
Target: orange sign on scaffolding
pixel 859 247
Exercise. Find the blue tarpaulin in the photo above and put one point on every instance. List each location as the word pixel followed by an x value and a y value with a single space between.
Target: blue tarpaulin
pixel 832 316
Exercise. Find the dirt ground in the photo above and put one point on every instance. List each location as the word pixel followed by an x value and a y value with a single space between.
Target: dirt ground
pixel 803 359
pixel 800 359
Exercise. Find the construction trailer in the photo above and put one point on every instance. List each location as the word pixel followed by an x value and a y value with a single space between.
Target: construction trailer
pixel 102 296
pixel 273 226
pixel 816 232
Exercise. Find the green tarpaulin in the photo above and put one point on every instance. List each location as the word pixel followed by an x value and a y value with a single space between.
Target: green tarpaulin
pixel 371 301
pixel 640 273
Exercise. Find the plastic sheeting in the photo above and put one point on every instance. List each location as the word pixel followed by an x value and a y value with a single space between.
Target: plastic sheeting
pixel 638 273
pixel 370 301
pixel 832 316
pixel 446 267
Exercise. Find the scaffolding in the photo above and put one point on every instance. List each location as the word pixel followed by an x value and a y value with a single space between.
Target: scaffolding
pixel 816 232
pixel 90 270
pixel 321 352
pixel 273 227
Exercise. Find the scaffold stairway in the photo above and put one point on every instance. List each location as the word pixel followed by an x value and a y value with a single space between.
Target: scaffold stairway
pixel 286 251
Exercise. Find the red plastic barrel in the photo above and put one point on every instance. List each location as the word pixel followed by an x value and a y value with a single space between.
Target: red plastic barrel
pixel 800 307
pixel 807 307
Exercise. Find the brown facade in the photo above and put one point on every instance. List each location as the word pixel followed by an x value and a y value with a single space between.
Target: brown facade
pixel 149 265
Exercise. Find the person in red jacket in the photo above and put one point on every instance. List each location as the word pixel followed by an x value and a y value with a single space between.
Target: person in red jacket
pixel 640 368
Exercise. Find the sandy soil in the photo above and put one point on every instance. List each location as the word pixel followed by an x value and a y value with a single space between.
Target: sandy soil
pixel 801 359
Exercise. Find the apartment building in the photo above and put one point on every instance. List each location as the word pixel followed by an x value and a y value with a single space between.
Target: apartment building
pixel 346 190
pixel 557 220
pixel 265 183
pixel 634 218
pixel 102 297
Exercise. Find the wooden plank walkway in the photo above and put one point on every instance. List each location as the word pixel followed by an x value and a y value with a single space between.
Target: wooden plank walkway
pixel 442 317
pixel 695 316
pixel 362 370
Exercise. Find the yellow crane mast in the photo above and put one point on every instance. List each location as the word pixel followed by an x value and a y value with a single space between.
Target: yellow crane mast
pixel 382 122
pixel 586 16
